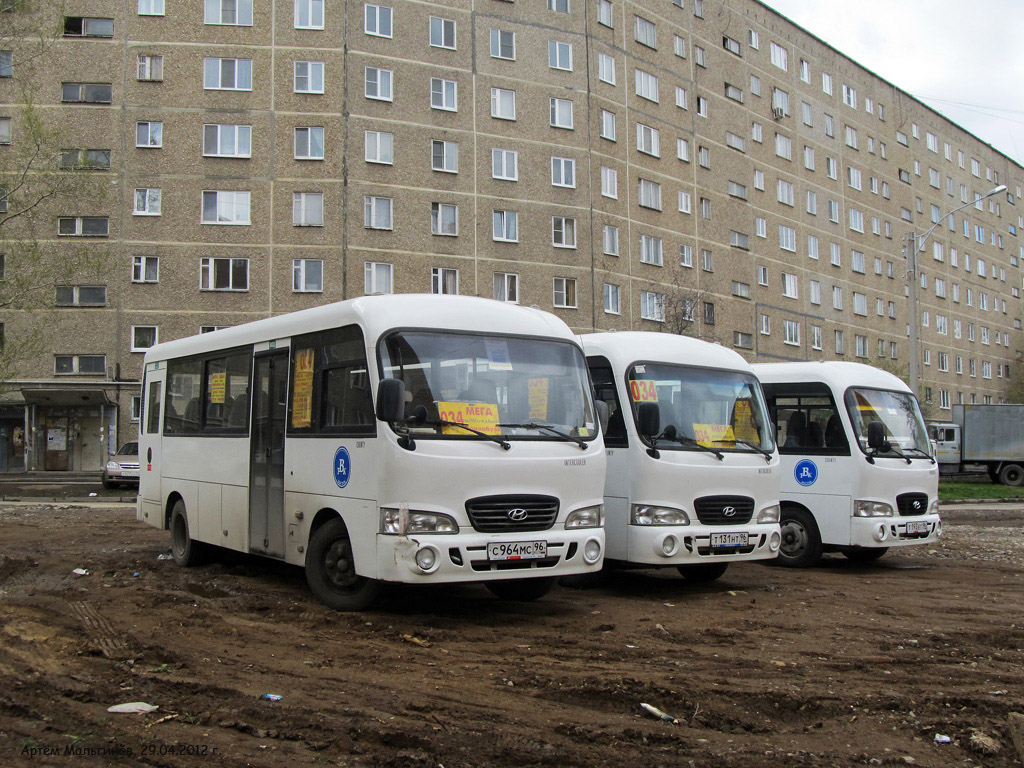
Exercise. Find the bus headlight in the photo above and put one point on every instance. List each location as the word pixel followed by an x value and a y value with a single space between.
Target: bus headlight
pixel 588 517
pixel 403 522
pixel 769 514
pixel 649 514
pixel 863 508
pixel 933 508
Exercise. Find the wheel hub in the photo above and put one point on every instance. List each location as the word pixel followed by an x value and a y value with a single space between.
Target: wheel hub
pixel 339 566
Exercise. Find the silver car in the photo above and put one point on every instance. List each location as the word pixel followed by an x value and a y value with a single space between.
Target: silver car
pixel 122 467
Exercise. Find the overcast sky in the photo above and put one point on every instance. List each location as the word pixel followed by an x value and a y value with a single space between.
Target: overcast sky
pixel 963 59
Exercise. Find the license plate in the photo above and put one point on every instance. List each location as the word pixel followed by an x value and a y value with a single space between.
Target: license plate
pixel 517 550
pixel 722 540
pixel 917 527
pixel 130 473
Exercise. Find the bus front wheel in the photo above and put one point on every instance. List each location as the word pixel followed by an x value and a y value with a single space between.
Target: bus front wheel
pixel 704 573
pixel 521 590
pixel 185 550
pixel 801 542
pixel 331 570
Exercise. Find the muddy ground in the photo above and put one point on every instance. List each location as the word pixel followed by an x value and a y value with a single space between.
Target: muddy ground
pixel 834 666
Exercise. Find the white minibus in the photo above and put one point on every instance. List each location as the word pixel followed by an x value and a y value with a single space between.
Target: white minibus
pixel 692 468
pixel 857 471
pixel 417 439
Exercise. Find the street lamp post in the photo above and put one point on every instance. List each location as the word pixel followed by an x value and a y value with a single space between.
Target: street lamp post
pixel 915 245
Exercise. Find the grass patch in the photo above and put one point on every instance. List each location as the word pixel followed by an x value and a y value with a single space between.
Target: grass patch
pixel 982 488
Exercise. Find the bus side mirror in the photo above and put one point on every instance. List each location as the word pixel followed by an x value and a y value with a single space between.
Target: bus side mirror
pixel 876 436
pixel 391 400
pixel 602 415
pixel 648 419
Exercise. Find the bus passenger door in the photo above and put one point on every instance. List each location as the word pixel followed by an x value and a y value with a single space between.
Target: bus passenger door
pixel 150 429
pixel 266 478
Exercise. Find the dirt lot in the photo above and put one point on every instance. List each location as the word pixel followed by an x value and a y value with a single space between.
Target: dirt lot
pixel 838 665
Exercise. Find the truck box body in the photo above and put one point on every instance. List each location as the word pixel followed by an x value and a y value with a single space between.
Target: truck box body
pixel 991 432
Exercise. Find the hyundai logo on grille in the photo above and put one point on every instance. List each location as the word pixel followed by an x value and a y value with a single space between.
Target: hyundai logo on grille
pixel 517 514
pixel 728 511
pixel 917 505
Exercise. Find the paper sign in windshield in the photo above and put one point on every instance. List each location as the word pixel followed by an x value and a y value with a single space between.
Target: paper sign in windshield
pixel 711 434
pixel 497 355
pixel 643 391
pixel 479 416
pixel 538 399
pixel 302 389
pixel 744 423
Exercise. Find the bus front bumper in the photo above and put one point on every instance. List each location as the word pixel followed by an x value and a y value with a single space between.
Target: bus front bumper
pixel 694 544
pixel 895 531
pixel 421 559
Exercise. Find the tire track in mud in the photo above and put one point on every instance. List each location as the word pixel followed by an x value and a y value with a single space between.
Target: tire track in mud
pixel 111 643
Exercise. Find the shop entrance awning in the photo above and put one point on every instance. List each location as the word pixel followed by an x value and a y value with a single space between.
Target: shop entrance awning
pixel 65 397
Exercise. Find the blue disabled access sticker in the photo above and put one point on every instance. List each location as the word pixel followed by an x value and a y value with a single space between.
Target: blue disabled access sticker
pixel 342 467
pixel 806 472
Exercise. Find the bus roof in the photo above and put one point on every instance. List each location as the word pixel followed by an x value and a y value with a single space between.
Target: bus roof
pixel 377 314
pixel 837 374
pixel 623 348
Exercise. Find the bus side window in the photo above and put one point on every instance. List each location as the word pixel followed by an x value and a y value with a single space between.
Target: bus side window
pixel 183 390
pixel 330 384
pixel 604 389
pixel 153 407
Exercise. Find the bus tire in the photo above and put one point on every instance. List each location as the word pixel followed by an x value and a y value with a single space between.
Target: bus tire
pixel 1012 474
pixel 705 573
pixel 864 554
pixel 801 541
pixel 521 590
pixel 186 551
pixel 331 571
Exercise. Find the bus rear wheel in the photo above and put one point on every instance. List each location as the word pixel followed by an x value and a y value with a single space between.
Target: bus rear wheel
pixel 801 542
pixel 185 550
pixel 864 554
pixel 704 573
pixel 331 570
pixel 521 590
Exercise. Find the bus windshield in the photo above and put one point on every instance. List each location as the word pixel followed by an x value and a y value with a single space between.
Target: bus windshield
pixel 898 411
pixel 711 408
pixel 496 385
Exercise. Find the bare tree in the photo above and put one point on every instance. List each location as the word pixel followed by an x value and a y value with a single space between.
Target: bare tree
pixel 685 312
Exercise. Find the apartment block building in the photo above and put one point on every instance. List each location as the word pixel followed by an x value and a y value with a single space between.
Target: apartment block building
pixel 698 166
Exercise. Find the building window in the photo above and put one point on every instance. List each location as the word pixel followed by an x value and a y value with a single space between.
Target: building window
pixel 646 85
pixel 143 337
pixel 652 306
pixel 503 104
pixel 561 113
pixel 651 250
pixel 444 280
pixel 565 292
pixel 505 164
pixel 444 94
pixel 377 277
pixel 377 212
pixel 227 74
pixel 227 141
pixel 791 332
pixel 379 147
pixel 686 256
pixel 85 159
pixel 145 269
pixel 151 7
pixel 612 299
pixel 608 125
pixel 150 68
pixel 307 275
pixel 444 156
pixel 377 20
pixel 444 219
pixel 226 207
pixel 609 182
pixel 563 172
pixel 860 304
pixel 86 365
pixel 606 68
pixel 147 202
pixel 5 130
pixel 377 84
pixel 81 296
pixel 83 226
pixel 644 32
pixel 779 56
pixel 86 93
pixel 505 226
pixel 503 44
pixel 309 14
pixel 604 13
pixel 709 313
pixel 563 232
pixel 442 33
pixel 308 209
pixel 223 274
pixel 610 240
pixel 82 26
pixel 234 12
pixel 309 77
pixel 506 287
pixel 560 55
pixel 649 194
pixel 149 134
pixel 790 286
pixel 648 140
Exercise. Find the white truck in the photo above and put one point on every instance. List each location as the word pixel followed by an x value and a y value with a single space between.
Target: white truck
pixel 693 473
pixel 857 471
pixel 982 438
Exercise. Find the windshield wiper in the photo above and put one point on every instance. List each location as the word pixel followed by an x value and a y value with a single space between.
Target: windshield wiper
pixel 419 419
pixel 547 427
pixel 670 433
pixel 923 454
pixel 767 454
